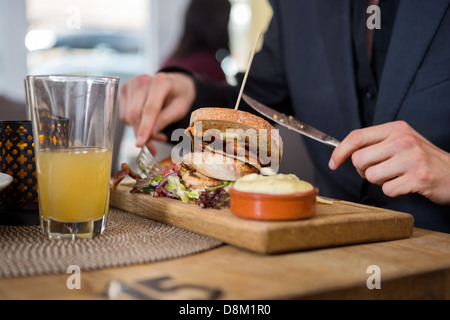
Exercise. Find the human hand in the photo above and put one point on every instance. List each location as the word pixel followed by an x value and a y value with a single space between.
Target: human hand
pixel 150 103
pixel 399 159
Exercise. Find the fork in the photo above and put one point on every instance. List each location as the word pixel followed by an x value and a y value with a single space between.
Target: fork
pixel 147 163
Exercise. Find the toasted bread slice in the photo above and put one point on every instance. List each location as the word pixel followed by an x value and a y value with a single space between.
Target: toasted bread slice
pixel 257 134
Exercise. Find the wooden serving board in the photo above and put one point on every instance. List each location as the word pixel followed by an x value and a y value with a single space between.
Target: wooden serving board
pixel 340 223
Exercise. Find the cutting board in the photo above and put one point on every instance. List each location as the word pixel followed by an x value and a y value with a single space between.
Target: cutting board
pixel 336 224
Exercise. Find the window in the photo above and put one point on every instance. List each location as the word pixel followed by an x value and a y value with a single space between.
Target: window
pixel 102 37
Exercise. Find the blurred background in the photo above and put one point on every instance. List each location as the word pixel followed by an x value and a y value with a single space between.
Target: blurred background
pixel 117 38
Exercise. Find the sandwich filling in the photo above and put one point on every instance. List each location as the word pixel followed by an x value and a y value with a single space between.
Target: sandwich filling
pixel 226 145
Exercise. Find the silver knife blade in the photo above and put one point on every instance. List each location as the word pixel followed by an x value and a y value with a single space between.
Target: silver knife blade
pixel 291 123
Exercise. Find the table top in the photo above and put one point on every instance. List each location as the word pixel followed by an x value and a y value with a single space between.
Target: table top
pixel 415 268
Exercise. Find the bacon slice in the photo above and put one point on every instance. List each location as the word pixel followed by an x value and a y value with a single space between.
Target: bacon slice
pixel 122 173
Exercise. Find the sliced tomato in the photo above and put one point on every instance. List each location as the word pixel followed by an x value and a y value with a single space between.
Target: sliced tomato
pixel 168 170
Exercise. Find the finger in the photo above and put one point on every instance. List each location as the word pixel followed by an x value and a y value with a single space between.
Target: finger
pixel 390 158
pixel 161 137
pixel 357 140
pixel 423 175
pixel 361 173
pixel 404 184
pixel 397 187
pixel 156 98
pixel 138 93
pixel 177 108
pixel 174 112
pixel 387 170
pixel 368 157
pixel 405 161
pixel 152 148
pixel 123 102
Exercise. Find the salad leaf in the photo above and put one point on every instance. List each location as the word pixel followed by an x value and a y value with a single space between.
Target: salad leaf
pixel 217 198
pixel 225 185
pixel 172 186
pixel 152 184
pixel 184 193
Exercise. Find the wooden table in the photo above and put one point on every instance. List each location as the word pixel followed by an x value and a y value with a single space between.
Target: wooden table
pixel 416 268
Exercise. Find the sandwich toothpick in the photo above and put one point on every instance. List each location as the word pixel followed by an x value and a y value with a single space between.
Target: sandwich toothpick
pixel 248 70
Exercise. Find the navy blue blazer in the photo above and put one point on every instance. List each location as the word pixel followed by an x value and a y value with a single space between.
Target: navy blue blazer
pixel 306 67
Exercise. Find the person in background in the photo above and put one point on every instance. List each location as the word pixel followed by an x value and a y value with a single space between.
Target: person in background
pixel 389 103
pixel 205 36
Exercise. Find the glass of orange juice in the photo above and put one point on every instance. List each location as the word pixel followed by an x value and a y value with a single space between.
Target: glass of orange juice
pixel 73 126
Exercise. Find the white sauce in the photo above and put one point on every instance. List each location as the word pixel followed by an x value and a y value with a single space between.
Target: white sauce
pixel 274 184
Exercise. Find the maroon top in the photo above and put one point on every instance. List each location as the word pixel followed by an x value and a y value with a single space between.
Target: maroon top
pixel 202 63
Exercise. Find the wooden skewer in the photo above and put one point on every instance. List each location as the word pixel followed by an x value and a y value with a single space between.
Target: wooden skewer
pixel 248 70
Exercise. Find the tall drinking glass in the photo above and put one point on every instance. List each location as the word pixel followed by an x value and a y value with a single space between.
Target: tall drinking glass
pixel 73 126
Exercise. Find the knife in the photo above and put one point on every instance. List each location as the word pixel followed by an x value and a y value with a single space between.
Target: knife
pixel 291 123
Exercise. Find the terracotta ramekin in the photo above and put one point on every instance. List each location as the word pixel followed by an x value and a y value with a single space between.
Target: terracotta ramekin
pixel 260 206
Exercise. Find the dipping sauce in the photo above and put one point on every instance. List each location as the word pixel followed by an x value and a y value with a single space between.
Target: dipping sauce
pixel 273 184
pixel 272 198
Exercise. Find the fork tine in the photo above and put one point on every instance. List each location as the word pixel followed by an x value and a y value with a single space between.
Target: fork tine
pixel 147 163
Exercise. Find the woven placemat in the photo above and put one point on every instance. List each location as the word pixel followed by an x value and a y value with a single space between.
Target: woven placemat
pixel 129 240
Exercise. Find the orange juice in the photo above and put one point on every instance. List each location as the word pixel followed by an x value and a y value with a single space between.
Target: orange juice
pixel 74 184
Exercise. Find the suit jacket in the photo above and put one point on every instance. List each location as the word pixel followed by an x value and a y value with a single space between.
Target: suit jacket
pixel 306 67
